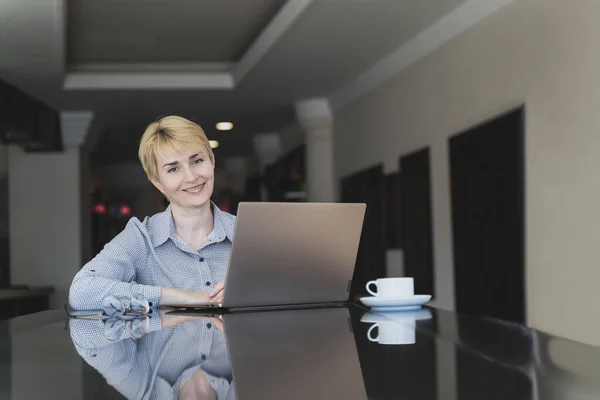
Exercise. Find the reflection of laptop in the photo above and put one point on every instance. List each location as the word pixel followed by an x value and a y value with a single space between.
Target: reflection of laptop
pixel 287 254
pixel 294 355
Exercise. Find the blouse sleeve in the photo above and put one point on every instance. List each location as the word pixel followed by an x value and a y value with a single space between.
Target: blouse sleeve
pixel 113 272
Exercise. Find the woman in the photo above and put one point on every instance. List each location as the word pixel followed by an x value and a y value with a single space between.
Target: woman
pixel 178 257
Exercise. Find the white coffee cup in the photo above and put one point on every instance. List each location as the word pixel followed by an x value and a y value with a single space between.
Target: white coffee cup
pixel 392 333
pixel 392 287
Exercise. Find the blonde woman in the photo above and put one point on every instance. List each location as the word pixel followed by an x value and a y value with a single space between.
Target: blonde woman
pixel 177 257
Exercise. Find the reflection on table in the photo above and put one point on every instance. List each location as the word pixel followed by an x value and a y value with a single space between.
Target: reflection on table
pixel 328 353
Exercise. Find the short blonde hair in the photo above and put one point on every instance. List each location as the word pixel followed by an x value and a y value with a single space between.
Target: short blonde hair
pixel 175 133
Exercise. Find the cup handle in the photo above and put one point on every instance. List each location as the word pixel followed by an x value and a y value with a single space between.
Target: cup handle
pixel 369 334
pixel 369 290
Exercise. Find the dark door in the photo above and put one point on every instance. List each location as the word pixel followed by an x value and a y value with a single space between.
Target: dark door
pixel 487 185
pixel 393 208
pixel 367 186
pixel 416 221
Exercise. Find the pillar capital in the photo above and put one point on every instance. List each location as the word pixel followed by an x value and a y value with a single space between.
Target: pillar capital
pixel 75 126
pixel 314 115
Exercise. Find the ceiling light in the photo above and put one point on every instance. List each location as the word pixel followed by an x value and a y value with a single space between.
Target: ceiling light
pixel 224 126
pixel 213 144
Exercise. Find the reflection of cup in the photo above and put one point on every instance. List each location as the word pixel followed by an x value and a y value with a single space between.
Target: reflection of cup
pixel 392 287
pixel 392 333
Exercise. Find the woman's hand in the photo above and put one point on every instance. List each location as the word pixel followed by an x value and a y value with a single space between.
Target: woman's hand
pixel 216 296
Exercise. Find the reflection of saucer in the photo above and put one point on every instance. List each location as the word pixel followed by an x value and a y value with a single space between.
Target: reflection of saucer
pixel 395 303
pixel 392 309
pixel 396 316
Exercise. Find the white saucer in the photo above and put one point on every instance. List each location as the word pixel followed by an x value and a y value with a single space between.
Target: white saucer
pixel 397 316
pixel 395 303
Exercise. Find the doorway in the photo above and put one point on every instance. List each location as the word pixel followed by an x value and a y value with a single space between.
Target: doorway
pixel 487 185
pixel 367 186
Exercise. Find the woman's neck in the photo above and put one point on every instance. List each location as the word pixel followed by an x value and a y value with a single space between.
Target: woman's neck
pixel 193 224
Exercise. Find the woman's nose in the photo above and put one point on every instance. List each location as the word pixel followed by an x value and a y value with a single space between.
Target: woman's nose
pixel 189 175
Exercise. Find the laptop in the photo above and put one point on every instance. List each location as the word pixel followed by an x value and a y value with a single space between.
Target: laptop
pixel 292 254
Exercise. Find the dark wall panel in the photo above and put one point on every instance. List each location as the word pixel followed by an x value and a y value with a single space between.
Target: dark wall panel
pixel 487 184
pixel 416 220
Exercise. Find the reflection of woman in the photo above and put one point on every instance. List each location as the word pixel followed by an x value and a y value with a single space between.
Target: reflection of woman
pixel 177 257
pixel 187 361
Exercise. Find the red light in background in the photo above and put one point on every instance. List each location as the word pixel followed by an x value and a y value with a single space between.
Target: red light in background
pixel 125 210
pixel 224 207
pixel 100 208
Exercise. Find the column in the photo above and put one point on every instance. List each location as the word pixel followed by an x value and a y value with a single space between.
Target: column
pixel 268 148
pixel 49 211
pixel 4 231
pixel 316 119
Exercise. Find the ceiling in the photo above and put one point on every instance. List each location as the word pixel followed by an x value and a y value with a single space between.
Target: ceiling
pixel 133 31
pixel 132 61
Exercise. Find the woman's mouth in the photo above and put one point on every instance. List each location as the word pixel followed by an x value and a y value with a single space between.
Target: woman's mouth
pixel 195 189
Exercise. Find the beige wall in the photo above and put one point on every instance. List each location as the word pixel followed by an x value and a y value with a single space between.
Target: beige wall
pixel 47 242
pixel 85 182
pixel 543 53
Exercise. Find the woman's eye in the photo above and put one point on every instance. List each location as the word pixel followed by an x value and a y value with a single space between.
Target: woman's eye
pixel 198 161
pixel 172 169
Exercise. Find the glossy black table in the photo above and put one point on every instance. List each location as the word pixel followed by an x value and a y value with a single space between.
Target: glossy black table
pixel 292 354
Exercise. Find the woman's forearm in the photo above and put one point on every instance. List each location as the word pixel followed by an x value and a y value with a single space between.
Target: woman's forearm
pixel 182 298
pixel 88 290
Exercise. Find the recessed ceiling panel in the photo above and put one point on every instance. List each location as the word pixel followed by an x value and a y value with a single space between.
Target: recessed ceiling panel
pixel 164 31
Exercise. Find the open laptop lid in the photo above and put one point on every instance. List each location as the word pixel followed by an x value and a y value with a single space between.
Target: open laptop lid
pixel 293 253
pixel 294 355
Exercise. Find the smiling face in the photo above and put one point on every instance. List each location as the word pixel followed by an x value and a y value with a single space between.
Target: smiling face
pixel 186 178
pixel 178 160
